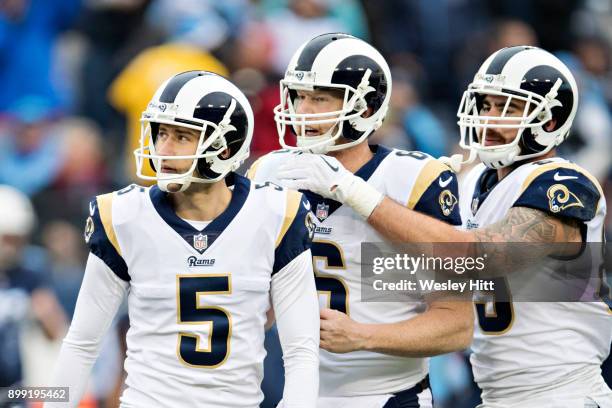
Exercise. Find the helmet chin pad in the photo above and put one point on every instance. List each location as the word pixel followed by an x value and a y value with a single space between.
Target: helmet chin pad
pixel 164 184
pixel 501 158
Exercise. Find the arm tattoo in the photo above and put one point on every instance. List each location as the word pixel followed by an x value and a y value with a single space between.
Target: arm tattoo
pixel 523 224
pixel 526 225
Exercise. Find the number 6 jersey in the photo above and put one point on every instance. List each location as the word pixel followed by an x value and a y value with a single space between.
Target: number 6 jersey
pixel 413 179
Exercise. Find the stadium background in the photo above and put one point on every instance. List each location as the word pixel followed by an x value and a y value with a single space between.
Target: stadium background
pixel 75 75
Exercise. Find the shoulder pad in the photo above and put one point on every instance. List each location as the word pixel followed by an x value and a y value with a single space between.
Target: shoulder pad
pixel 562 189
pixel 296 232
pixel 100 235
pixel 264 168
pixel 435 192
pixel 128 202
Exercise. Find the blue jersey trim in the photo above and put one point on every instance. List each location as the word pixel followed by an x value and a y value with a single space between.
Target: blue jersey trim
pixel 562 192
pixel 164 208
pixel 100 245
pixel 297 239
pixel 441 203
pixel 484 185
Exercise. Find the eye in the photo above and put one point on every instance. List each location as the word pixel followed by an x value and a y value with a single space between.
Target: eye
pixel 320 99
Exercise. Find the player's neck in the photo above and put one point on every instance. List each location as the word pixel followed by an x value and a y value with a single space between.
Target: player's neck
pixel 202 202
pixel 503 172
pixel 354 157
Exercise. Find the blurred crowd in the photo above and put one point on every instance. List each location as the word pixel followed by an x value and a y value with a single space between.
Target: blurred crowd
pixel 76 75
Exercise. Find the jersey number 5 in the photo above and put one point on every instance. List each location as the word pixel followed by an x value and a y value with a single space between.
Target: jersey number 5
pixel 189 290
pixel 331 285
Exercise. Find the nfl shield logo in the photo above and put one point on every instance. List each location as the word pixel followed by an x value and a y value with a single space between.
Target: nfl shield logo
pixel 200 242
pixel 322 211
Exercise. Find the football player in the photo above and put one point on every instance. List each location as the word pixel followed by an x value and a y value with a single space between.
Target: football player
pixel 201 256
pixel 334 95
pixel 518 108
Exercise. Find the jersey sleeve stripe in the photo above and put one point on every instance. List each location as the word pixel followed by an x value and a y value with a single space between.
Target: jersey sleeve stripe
pixel 105 204
pixel 551 166
pixel 253 169
pixel 428 174
pixel 293 203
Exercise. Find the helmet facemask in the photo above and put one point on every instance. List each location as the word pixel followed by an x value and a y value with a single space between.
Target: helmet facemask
pixel 354 105
pixel 211 144
pixel 536 112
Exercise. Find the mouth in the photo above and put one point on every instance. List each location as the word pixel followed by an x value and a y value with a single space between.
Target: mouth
pixel 309 131
pixel 494 139
pixel 168 170
pixel 494 142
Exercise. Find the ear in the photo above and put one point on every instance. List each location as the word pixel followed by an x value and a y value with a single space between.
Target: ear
pixel 550 125
pixel 368 112
pixel 225 154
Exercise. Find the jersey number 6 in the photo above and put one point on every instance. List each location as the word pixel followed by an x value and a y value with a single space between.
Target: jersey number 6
pixel 500 320
pixel 189 290
pixel 332 285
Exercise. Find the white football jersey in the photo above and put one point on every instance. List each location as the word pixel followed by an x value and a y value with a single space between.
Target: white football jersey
pixel 411 178
pixel 197 299
pixel 524 348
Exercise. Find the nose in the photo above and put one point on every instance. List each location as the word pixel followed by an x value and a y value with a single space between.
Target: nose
pixel 304 106
pixel 164 147
pixel 496 112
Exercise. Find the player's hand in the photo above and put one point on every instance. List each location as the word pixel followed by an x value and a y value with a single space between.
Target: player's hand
pixel 339 333
pixel 314 172
pixel 327 177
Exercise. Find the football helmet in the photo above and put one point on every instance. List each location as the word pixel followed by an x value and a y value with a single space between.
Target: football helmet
pixel 17 215
pixel 342 63
pixel 17 220
pixel 531 76
pixel 205 102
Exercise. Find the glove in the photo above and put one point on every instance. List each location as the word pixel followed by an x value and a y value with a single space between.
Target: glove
pixel 327 177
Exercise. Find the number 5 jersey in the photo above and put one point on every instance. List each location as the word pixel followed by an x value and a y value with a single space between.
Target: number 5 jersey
pixel 198 297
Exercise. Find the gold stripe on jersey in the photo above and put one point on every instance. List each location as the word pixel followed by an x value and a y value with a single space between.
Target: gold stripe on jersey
pixel 105 206
pixel 293 203
pixel 250 174
pixel 428 174
pixel 556 165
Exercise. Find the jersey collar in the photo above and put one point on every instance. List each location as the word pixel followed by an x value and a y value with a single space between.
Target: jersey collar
pixel 201 240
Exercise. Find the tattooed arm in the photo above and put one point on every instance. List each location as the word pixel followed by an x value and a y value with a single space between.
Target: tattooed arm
pixel 546 234
pixel 521 224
